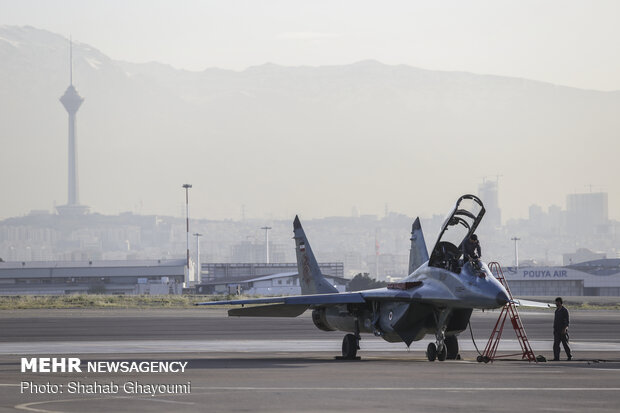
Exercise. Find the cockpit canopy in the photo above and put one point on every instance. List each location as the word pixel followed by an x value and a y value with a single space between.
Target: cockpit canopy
pixel 456 229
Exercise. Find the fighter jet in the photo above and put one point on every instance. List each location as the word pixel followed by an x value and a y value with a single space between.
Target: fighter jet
pixel 437 298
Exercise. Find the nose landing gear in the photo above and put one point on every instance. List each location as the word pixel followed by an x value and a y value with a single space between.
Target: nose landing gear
pixel 439 350
pixel 433 352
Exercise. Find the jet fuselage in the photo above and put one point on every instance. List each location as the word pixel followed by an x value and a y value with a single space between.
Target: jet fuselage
pixel 474 287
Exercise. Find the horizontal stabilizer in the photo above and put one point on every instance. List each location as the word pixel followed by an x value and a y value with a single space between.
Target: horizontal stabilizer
pixel 272 310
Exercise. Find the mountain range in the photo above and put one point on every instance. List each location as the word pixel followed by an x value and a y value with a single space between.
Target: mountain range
pixel 286 140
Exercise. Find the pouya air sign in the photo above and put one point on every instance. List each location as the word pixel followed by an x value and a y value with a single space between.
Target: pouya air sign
pixel 545 274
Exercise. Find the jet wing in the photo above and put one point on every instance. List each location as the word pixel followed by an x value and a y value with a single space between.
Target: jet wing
pixel 312 299
pixel 291 306
pixel 402 292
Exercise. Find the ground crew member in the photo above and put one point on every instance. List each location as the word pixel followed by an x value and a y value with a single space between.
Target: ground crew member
pixel 560 330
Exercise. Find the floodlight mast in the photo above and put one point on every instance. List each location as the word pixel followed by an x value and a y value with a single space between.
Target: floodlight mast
pixel 516 240
pixel 187 187
pixel 198 269
pixel 266 243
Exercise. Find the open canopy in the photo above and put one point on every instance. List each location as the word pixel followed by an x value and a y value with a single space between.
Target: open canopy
pixel 458 226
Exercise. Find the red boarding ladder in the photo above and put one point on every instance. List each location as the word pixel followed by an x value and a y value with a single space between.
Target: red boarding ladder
pixel 490 350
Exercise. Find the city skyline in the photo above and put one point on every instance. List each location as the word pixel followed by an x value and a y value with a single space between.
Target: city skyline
pixel 545 237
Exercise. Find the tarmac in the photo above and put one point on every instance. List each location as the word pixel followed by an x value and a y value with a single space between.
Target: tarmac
pixel 286 364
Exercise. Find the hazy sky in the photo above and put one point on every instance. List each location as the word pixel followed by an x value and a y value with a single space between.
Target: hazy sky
pixel 573 43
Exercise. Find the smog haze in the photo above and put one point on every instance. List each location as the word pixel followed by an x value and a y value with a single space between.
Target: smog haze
pixel 310 108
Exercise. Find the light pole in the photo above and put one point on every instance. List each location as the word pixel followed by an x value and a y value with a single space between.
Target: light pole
pixel 266 243
pixel 377 251
pixel 516 240
pixel 187 187
pixel 198 269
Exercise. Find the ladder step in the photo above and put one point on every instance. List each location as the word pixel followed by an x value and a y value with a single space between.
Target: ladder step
pixel 515 320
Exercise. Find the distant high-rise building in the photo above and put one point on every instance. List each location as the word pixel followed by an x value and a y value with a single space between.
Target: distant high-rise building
pixel 537 216
pixel 587 213
pixel 487 191
pixel 72 101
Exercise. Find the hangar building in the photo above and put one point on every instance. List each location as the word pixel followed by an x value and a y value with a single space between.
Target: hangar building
pixel 81 277
pixel 243 271
pixel 591 278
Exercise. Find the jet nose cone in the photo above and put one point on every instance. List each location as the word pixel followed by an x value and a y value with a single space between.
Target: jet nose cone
pixel 501 298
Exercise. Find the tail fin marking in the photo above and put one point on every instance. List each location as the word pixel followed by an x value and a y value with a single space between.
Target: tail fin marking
pixel 418 254
pixel 311 279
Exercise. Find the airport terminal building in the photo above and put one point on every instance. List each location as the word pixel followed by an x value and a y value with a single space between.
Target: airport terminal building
pixel 154 277
pixel 591 278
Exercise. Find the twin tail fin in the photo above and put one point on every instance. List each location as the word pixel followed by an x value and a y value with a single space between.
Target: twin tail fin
pixel 311 279
pixel 418 254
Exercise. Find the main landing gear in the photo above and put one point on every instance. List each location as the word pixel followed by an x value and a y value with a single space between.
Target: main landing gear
pixel 351 343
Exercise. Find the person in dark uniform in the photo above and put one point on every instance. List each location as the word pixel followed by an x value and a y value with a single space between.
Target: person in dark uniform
pixel 560 330
pixel 471 249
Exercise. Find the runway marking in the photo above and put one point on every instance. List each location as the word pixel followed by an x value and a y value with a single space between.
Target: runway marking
pixel 27 406
pixel 30 406
pixel 253 346
pixel 153 399
pixel 484 389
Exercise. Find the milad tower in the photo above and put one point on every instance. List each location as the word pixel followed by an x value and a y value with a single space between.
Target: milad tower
pixel 72 101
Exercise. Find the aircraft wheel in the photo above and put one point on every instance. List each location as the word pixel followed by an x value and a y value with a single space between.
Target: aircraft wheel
pixel 452 344
pixel 479 359
pixel 349 347
pixel 441 355
pixel 486 359
pixel 431 352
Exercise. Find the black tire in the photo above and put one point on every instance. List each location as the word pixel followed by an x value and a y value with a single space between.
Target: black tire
pixel 349 347
pixel 431 352
pixel 486 359
pixel 441 355
pixel 452 344
pixel 479 359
